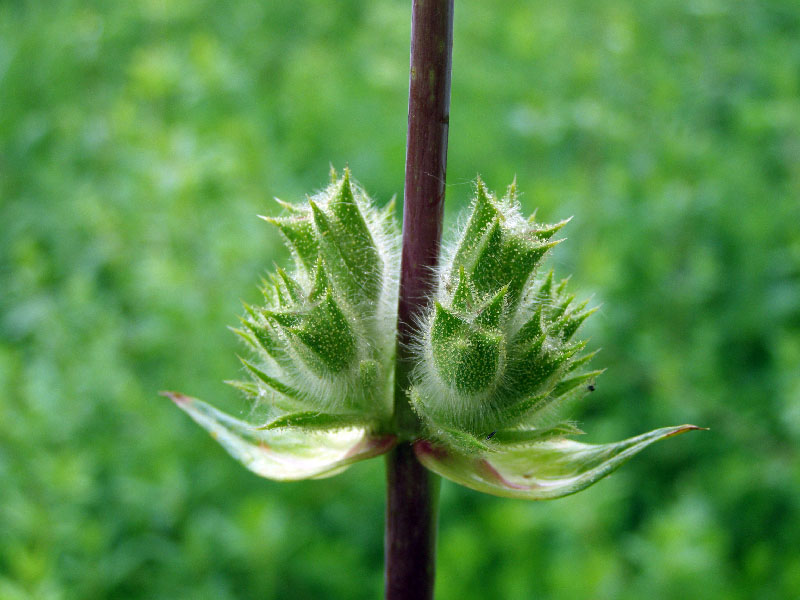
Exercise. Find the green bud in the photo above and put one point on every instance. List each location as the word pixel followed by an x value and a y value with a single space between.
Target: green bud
pixel 498 337
pixel 325 336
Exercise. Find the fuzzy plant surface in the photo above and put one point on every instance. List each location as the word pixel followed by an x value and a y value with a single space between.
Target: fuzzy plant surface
pixel 497 360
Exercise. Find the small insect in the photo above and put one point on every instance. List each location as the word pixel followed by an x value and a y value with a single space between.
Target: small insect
pixel 591 387
pixel 491 435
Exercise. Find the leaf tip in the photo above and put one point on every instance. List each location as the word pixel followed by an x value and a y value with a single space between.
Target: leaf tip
pixel 176 397
pixel 684 428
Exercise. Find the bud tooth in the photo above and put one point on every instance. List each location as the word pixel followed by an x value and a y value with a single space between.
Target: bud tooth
pixel 247 337
pixel 293 289
pixel 445 326
pixel 531 330
pixel 581 361
pixel 345 193
pixel 560 308
pixel 510 415
pixel 271 382
pixel 292 208
pixel 546 288
pixel 563 358
pixel 355 240
pixel 274 289
pixel 572 322
pixel 534 348
pixel 532 367
pixel 492 313
pixel 545 232
pixel 327 334
pixel 462 297
pixel 483 213
pixel 321 284
pixel 562 285
pixel 321 221
pixel 466 359
pixel 580 307
pixel 248 388
pixel 487 270
pixel 268 291
pixel 387 214
pixel 300 238
pixel 504 258
pixel 570 383
pixel 337 268
pixel 569 351
pixel 537 374
pixel 250 310
pixel 511 191
pixel 478 361
pixel 470 363
pixel 520 258
pixel 446 330
pixel 342 259
pixel 267 339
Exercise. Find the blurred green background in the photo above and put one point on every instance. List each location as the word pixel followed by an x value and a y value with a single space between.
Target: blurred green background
pixel 138 140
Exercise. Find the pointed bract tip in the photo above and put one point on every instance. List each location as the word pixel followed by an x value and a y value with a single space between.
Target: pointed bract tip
pixel 553 243
pixel 176 397
pixel 315 209
pixel 684 428
pixel 558 226
pixel 288 206
pixel 511 191
pixel 271 220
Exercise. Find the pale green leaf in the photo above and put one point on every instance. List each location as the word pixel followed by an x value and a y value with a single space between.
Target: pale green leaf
pixel 541 471
pixel 285 454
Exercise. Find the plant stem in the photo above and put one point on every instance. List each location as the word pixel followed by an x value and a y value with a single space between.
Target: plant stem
pixel 411 517
pixel 412 490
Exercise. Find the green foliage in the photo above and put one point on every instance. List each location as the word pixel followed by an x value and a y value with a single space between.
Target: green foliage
pixel 137 142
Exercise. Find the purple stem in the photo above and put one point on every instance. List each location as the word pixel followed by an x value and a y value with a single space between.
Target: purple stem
pixel 412 490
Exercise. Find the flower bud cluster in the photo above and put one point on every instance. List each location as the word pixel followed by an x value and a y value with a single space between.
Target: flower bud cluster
pixel 495 355
pixel 497 348
pixel 324 338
